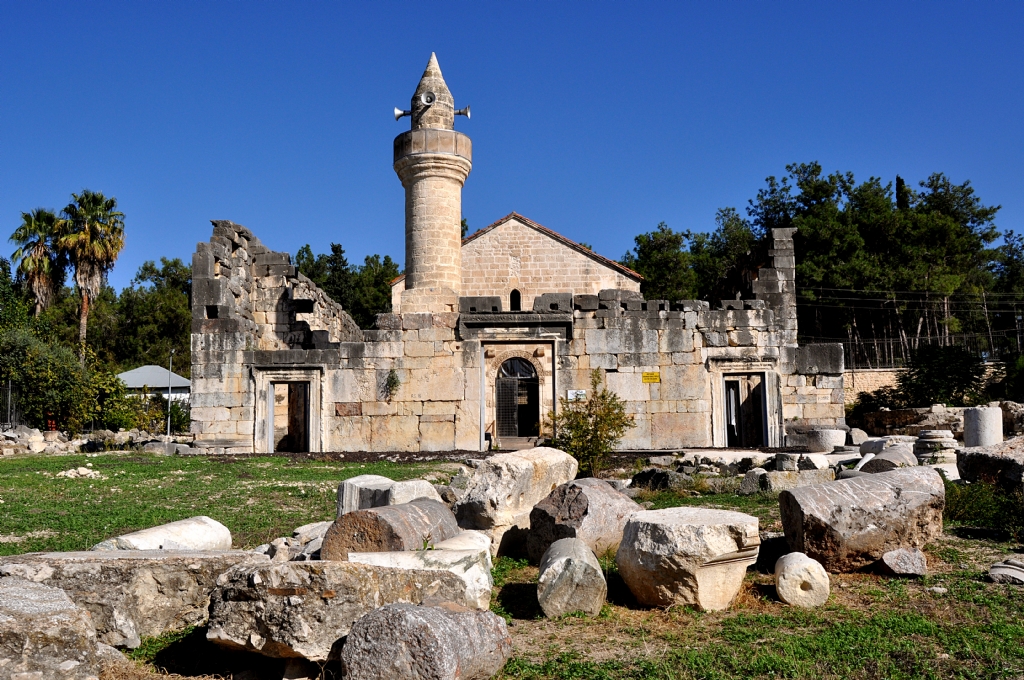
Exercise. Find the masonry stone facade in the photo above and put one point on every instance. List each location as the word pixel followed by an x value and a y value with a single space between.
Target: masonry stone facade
pixel 486 338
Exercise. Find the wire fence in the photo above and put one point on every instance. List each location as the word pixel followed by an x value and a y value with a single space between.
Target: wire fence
pixel 870 353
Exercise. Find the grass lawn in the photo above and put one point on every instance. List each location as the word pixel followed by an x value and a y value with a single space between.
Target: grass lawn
pixel 258 499
pixel 871 627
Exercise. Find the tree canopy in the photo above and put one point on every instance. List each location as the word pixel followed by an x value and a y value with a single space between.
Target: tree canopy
pixel 363 291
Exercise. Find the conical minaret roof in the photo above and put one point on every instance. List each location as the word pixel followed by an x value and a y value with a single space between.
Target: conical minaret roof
pixel 440 114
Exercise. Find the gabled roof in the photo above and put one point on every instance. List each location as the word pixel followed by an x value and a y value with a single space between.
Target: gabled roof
pixel 151 376
pixel 601 259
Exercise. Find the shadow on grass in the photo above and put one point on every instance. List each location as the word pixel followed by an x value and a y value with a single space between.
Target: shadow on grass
pixel 519 600
pixel 193 654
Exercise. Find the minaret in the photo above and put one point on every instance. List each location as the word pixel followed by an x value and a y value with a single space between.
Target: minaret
pixel 433 161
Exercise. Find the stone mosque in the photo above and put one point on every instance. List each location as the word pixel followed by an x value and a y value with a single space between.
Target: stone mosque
pixel 487 334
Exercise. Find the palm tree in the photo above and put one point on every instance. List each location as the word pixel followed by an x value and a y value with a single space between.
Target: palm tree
pixel 92 235
pixel 41 262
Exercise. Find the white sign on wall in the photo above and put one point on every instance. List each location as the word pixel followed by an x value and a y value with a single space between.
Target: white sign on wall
pixel 576 395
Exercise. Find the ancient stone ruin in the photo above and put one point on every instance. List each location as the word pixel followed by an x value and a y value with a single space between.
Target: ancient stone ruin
pixel 487 334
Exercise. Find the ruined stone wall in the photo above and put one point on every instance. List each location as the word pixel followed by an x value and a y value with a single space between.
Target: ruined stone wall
pixel 516 256
pixel 867 380
pixel 247 298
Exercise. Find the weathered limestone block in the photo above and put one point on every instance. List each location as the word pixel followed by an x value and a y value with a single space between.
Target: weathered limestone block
pixel 390 528
pixel 823 441
pixel 570 580
pixel 983 426
pixel 1007 571
pixel 404 492
pixel 751 483
pixel 999 464
pixel 362 492
pixel 899 456
pixel 688 556
pixel 194 533
pixel 133 594
pixel 849 524
pixel 406 642
pixel 905 562
pixel 466 540
pixel 301 609
pixel 774 481
pixel 813 461
pixel 43 634
pixel 472 566
pixel 588 509
pixel 801 581
pixel 504 488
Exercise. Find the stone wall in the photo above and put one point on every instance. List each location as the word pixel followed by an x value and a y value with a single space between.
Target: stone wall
pixel 516 253
pixel 868 380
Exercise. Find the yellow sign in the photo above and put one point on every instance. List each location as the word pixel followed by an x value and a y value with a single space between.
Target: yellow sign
pixel 652 377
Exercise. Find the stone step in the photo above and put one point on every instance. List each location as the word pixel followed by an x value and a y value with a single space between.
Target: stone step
pixel 519 443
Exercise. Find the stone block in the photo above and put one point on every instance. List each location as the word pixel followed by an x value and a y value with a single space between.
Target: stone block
pixel 688 556
pixel 504 488
pixel 391 528
pixel 473 566
pixel 361 492
pixel 194 533
pixel 395 433
pixel 1000 464
pixel 133 594
pixel 348 409
pixel 851 523
pixel 43 634
pixel 301 609
pixel 677 430
pixel 570 579
pixel 426 643
pixel 820 358
pixel 588 509
pixel 437 435
pixel 480 304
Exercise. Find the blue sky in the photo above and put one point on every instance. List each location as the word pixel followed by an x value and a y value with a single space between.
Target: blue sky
pixel 598 120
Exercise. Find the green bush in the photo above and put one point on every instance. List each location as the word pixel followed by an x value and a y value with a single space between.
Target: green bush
pixel 934 375
pixel 589 429
pixel 53 387
pixel 984 505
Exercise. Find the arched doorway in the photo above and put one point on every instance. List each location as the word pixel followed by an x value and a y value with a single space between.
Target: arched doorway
pixel 517 399
pixel 515 301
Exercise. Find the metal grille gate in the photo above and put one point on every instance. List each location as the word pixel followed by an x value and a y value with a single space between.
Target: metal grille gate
pixel 10 416
pixel 508 407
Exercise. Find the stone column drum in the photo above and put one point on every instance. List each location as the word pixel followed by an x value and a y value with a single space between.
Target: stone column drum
pixel 433 161
pixel 983 426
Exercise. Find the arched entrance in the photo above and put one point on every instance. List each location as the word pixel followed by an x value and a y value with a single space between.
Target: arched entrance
pixel 517 399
